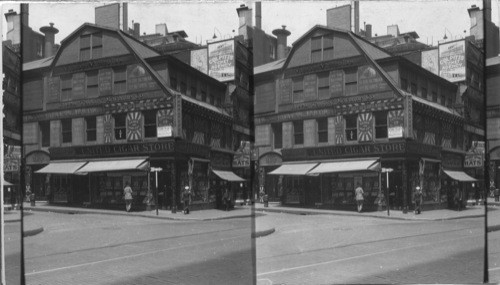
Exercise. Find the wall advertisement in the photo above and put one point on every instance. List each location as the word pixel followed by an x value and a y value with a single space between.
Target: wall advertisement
pixel 221 60
pixel 430 60
pixel 452 61
pixel 199 60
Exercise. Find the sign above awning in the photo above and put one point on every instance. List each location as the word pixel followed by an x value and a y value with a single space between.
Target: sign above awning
pixel 228 175
pixel 62 167
pixel 459 175
pixel 294 169
pixel 347 166
pixel 115 165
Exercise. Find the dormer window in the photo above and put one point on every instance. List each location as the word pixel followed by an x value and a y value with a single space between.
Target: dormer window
pixel 90 46
pixel 321 48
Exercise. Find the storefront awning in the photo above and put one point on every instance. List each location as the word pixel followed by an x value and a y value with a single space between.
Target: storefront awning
pixel 346 166
pixel 228 175
pixel 114 165
pixel 459 175
pixel 294 169
pixel 62 167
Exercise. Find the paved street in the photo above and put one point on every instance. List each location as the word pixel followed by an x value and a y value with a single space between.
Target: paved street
pixel 320 249
pixel 107 249
pixel 13 247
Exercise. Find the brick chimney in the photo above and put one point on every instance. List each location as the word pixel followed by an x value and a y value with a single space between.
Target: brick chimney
pixel 245 16
pixel 25 14
pixel 282 35
pixel 258 14
pixel 14 26
pixel 368 32
pixel 50 33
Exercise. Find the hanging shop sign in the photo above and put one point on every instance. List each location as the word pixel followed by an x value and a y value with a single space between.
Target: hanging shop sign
pixel 242 156
pixel 37 157
pixel 12 158
pixel 473 160
pixel 270 159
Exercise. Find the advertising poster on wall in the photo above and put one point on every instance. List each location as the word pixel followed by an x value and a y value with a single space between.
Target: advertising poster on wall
pixel 199 60
pixel 430 60
pixel 221 60
pixel 452 61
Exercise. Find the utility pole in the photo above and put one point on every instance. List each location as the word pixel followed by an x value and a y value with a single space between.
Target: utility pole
pixel 156 170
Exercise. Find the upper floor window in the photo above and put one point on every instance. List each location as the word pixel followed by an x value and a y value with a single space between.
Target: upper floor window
pixel 351 81
pixel 424 93
pixel 173 82
pixel 66 130
pixel 434 96
pixel 92 86
pixel 443 100
pixel 298 132
pixel 120 80
pixel 298 88
pixel 150 124
pixel 120 126
pixel 45 133
pixel 404 84
pixel 90 46
pixel 91 129
pixel 193 91
pixel 66 87
pixel 211 98
pixel 203 95
pixel 380 125
pixel 351 127
pixel 322 124
pixel 323 85
pixel 413 89
pixel 321 48
pixel 277 135
pixel 183 87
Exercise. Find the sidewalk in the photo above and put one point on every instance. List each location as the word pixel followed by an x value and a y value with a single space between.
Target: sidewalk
pixel 201 215
pixel 430 215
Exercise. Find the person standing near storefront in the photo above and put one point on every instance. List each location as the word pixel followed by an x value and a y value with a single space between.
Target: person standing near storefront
pixel 359 197
pixel 186 197
pixel 225 200
pixel 417 198
pixel 496 192
pixel 127 191
pixel 458 199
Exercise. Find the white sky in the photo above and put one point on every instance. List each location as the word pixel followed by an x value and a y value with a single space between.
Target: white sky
pixel 200 20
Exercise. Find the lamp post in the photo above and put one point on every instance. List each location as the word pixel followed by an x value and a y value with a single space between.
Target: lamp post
pixel 387 171
pixel 156 170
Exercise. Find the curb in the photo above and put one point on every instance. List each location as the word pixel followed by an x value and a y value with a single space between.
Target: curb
pixel 263 233
pixel 76 211
pixel 300 212
pixel 32 232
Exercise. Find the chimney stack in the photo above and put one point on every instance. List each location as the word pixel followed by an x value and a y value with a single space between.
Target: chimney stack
pixel 245 16
pixel 282 35
pixel 13 20
pixel 339 17
pixel 356 17
pixel 161 29
pixel 368 32
pixel 258 14
pixel 137 30
pixel 393 30
pixel 50 33
pixel 25 14
pixel 125 17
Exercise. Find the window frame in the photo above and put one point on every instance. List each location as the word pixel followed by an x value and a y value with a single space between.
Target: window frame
pixel 66 133
pixel 347 119
pixel 119 84
pixel 92 46
pixel 92 131
pixel 66 87
pixel 277 128
pixel 298 91
pixel 384 126
pixel 44 127
pixel 298 132
pixel 93 87
pixel 322 131
pixel 150 126
pixel 349 84
pixel 117 128
pixel 325 86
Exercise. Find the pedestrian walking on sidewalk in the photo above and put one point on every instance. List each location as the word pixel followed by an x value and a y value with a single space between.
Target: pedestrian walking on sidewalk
pixel 127 192
pixel 496 192
pixel 226 200
pixel 359 197
pixel 186 197
pixel 458 199
pixel 418 199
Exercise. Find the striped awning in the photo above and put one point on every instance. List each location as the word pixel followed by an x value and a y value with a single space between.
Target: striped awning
pixel 227 175
pixel 346 166
pixel 294 169
pixel 115 165
pixel 459 175
pixel 62 167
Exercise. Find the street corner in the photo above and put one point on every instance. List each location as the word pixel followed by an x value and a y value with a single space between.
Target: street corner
pixel 32 232
pixel 263 233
